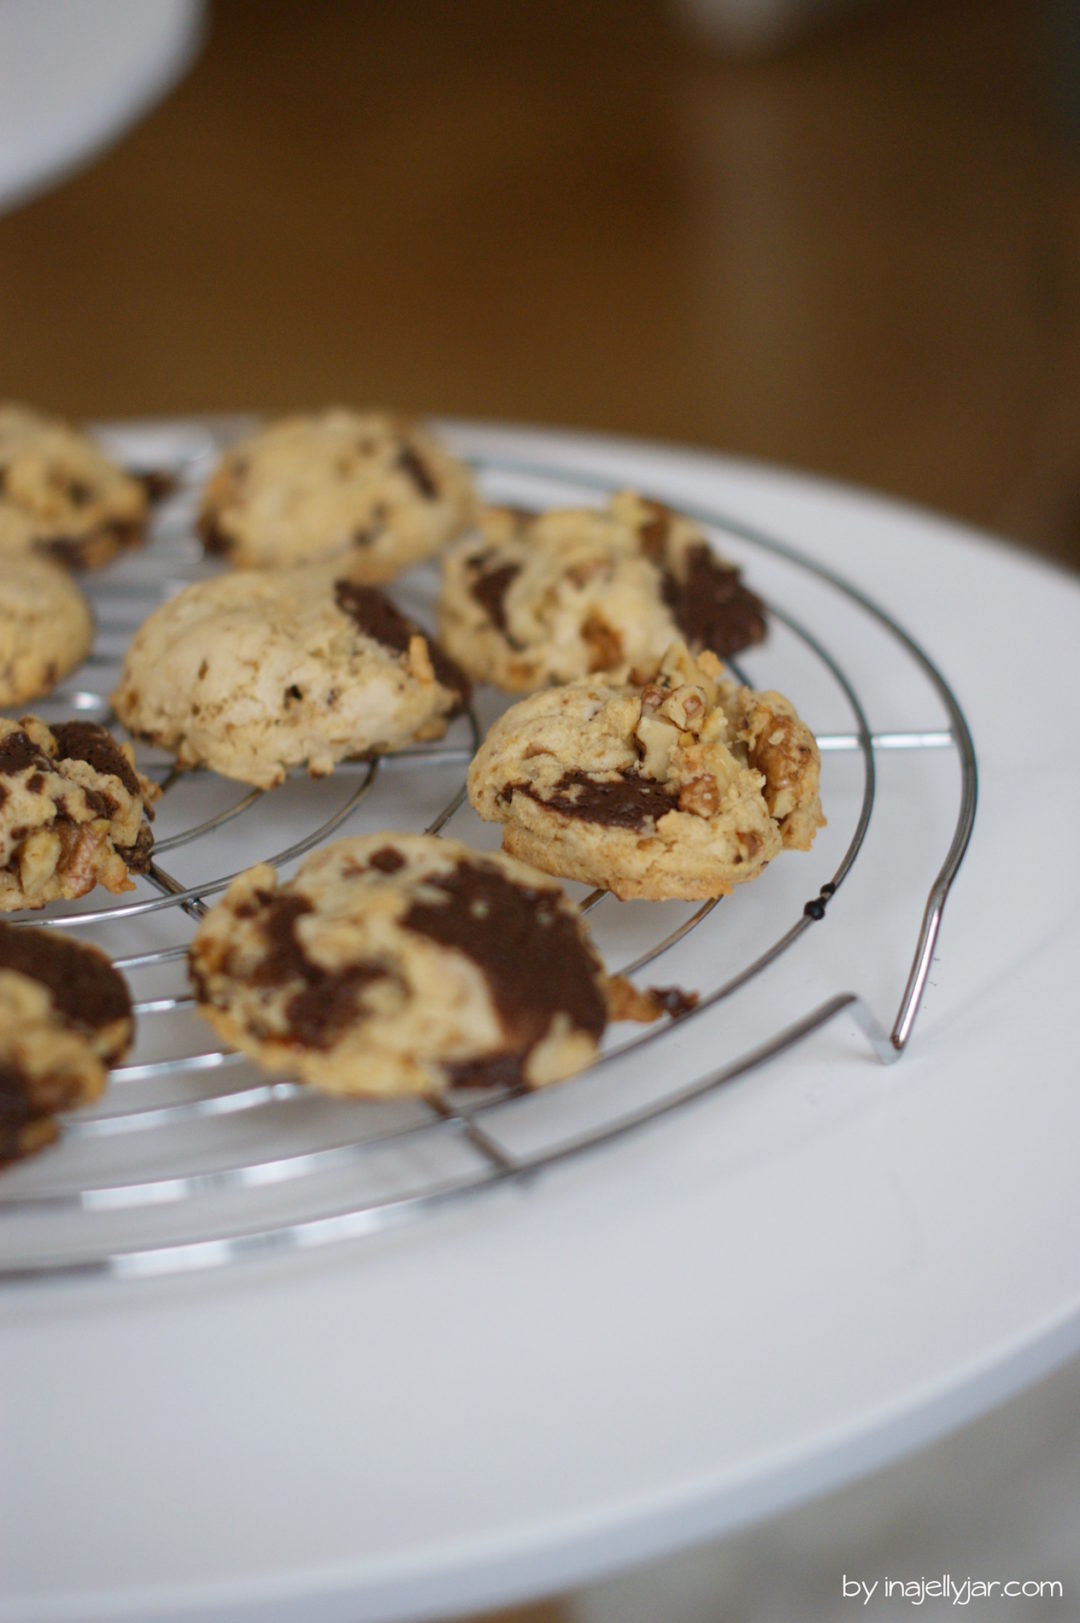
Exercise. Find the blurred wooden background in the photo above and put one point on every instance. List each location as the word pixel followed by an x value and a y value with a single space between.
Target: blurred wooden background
pixel 861 256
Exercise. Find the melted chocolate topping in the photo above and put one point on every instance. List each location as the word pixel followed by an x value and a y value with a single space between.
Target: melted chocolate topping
pixel 16 1111
pixel 626 802
pixel 490 589
pixel 673 1000
pixel 215 542
pixel 530 951
pixel 413 464
pixel 85 988
pixel 87 741
pixel 327 1000
pixel 712 608
pixel 495 1071
pixel 19 753
pixel 387 860
pixel 157 483
pixel 137 856
pixel 378 618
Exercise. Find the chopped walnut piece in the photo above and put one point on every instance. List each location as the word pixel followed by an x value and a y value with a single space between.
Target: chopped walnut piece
pixel 700 796
pixel 685 707
pixel 420 660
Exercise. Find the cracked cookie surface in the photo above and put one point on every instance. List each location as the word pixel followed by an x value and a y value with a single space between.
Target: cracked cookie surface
pixel 73 812
pixel 65 1018
pixel 46 627
pixel 403 964
pixel 255 673
pixel 60 497
pixel 373 491
pixel 551 597
pixel 680 787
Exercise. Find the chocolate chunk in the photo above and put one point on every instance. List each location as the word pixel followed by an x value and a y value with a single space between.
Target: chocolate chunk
pixel 85 988
pixel 284 958
pixel 412 463
pixel 157 483
pixel 214 539
pixel 673 1000
pixel 712 608
pixel 89 742
pixel 327 999
pixel 137 856
pixel 494 1071
pixel 629 801
pixel 23 1128
pixel 653 534
pixel 387 860
pixel 531 953
pixel 378 618
pixel 328 1003
pixel 79 493
pixel 18 753
pixel 490 589
pixel 62 549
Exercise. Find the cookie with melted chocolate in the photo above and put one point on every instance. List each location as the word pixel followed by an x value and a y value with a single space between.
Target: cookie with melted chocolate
pixel 262 671
pixel 74 812
pixel 395 964
pixel 373 492
pixel 65 1018
pixel 680 786
pixel 60 498
pixel 536 598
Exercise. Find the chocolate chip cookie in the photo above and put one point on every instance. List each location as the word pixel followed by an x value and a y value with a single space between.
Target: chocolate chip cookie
pixel 60 497
pixel 253 674
pixel 551 597
pixel 65 1018
pixel 403 964
pixel 46 627
pixel 682 786
pixel 374 491
pixel 73 812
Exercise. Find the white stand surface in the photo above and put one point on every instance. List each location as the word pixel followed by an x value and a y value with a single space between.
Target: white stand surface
pixel 813 1271
pixel 74 74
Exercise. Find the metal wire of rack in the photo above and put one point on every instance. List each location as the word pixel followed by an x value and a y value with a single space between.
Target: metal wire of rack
pixel 233 1165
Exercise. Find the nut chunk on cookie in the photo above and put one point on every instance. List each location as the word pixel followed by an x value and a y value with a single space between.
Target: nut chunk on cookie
pixel 257 673
pixel 403 964
pixel 46 627
pixel 371 490
pixel 551 597
pixel 59 496
pixel 65 1018
pixel 680 787
pixel 73 812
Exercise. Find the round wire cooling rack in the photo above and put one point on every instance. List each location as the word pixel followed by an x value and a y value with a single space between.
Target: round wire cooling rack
pixel 194 1159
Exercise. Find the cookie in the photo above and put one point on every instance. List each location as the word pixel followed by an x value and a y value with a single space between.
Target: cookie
pixel 60 497
pixel 678 788
pixel 46 627
pixel 255 673
pixel 65 1018
pixel 73 812
pixel 403 964
pixel 551 597
pixel 372 490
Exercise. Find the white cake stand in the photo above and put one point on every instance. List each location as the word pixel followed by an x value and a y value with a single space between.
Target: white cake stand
pixel 811 1270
